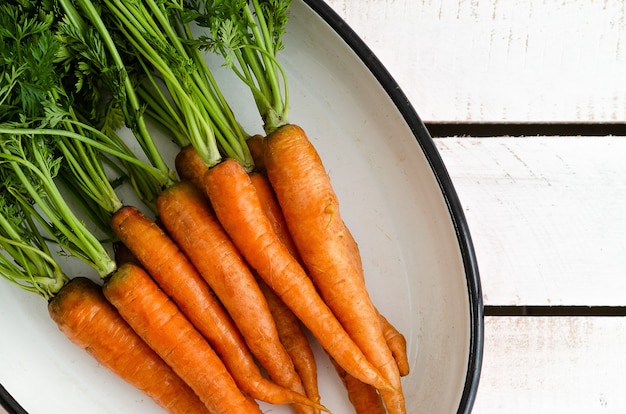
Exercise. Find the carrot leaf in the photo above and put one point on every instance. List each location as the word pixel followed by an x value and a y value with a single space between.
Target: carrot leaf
pixel 249 36
pixel 27 261
pixel 173 81
pixel 30 166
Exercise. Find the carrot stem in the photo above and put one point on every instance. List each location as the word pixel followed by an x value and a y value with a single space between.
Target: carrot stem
pixel 397 344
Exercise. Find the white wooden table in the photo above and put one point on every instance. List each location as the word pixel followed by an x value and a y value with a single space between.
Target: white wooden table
pixel 527 104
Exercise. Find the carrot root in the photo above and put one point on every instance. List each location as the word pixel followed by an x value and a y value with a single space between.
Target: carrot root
pixel 397 344
pixel 295 341
pixel 364 398
pixel 155 317
pixel 192 224
pixel 84 315
pixel 238 208
pixel 311 210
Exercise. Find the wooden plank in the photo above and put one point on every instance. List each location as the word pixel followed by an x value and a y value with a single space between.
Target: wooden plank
pixel 547 216
pixel 553 365
pixel 494 61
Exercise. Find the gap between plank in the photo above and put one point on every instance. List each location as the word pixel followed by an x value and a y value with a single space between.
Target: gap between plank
pixel 495 129
pixel 563 311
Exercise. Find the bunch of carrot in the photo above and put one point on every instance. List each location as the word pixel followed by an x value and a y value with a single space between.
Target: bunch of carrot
pixel 248 250
pixel 248 35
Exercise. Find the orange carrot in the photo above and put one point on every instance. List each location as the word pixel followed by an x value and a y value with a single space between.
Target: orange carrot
pixel 289 327
pixel 397 344
pixel 157 319
pixel 123 254
pixel 364 398
pixel 237 205
pixel 311 210
pixel 190 166
pixel 293 338
pixel 191 223
pixel 395 340
pixel 84 315
pixel 177 276
pixel 295 341
pixel 273 212
pixel 255 145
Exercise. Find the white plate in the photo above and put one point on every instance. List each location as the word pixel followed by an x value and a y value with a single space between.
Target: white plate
pixel 397 199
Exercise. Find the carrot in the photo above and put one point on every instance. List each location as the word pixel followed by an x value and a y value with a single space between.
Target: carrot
pixel 311 210
pixel 295 341
pixel 273 212
pixel 123 254
pixel 364 398
pixel 238 208
pixel 191 223
pixel 177 276
pixel 190 166
pixel 84 315
pixel 397 344
pixel 395 340
pixel 160 323
pixel 255 145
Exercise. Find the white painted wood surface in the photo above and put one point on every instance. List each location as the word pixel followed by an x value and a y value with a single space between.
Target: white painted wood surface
pixel 500 60
pixel 546 213
pixel 547 216
pixel 548 365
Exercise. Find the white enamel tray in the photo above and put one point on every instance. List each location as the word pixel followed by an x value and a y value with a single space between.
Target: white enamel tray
pixel 397 199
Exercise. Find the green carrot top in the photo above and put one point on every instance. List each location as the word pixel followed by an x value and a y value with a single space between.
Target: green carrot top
pixel 46 142
pixel 174 84
pixel 25 259
pixel 249 36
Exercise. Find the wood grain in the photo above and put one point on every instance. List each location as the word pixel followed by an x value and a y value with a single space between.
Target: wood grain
pixel 547 216
pixel 553 365
pixel 498 60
